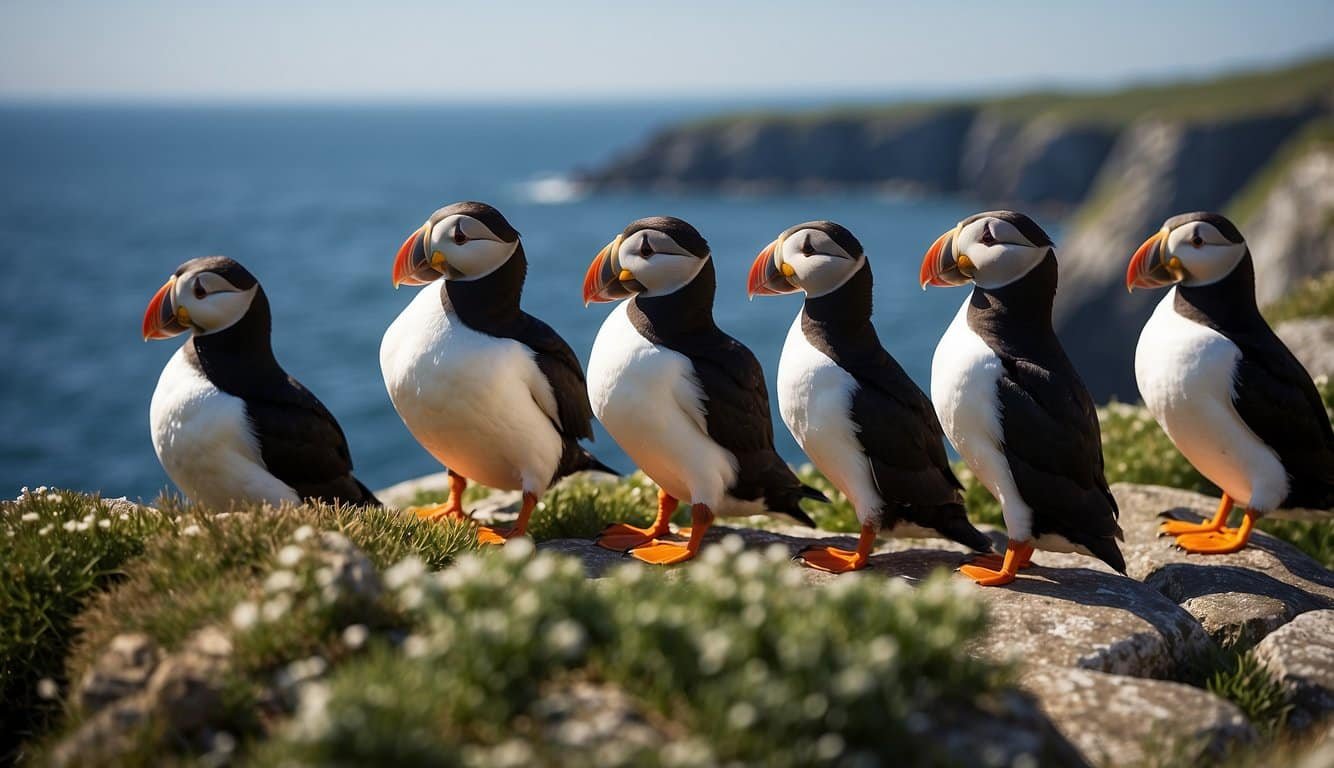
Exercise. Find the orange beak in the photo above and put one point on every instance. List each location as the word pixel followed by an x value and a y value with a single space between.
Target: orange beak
pixel 160 320
pixel 941 265
pixel 1150 267
pixel 605 280
pixel 767 277
pixel 411 265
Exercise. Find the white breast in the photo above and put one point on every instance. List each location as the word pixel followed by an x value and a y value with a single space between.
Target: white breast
pixel 651 403
pixel 202 437
pixel 815 398
pixel 964 376
pixel 1185 373
pixel 479 404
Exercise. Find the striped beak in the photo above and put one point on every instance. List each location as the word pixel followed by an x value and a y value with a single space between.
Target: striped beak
pixel 1151 267
pixel 605 280
pixel 161 318
pixel 943 267
pixel 412 266
pixel 767 276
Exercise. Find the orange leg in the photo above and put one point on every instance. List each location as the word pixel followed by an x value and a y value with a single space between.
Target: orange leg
pixel 1178 527
pixel 1015 552
pixel 1220 542
pixel 996 562
pixel 488 535
pixel 623 537
pixel 452 507
pixel 835 560
pixel 670 552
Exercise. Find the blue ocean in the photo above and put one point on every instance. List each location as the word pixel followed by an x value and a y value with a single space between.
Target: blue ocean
pixel 100 204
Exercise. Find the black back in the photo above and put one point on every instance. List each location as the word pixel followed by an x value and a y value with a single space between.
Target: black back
pixel 896 423
pixel 1273 393
pixel 1049 425
pixel 490 305
pixel 300 441
pixel 737 400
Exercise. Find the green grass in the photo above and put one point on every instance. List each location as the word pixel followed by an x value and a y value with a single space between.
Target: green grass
pixel 739 654
pixel 1244 682
pixel 1313 297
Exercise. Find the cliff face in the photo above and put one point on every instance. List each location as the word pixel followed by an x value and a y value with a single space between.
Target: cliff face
pixel 1123 162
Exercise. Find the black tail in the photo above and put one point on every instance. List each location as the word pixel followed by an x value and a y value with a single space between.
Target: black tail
pixel 577 459
pixel 367 497
pixel 1105 549
pixel 950 521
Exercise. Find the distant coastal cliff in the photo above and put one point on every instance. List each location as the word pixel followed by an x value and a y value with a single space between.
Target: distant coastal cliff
pixel 1258 146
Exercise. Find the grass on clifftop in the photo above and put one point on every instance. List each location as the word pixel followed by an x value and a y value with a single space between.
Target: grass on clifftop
pixel 1247 202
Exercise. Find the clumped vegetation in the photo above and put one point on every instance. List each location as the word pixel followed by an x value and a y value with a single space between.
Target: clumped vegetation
pixel 734 659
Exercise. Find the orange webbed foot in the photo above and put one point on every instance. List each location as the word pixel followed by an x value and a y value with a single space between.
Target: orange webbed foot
pixel 486 535
pixel 995 562
pixel 835 560
pixel 1216 523
pixel 986 577
pixel 663 553
pixel 438 512
pixel 621 537
pixel 1220 542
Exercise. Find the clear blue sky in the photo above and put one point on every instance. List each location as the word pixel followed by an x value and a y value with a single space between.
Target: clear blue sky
pixel 407 50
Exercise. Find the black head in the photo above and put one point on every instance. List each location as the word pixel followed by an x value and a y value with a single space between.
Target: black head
pixel 1193 249
pixel 652 256
pixel 817 257
pixel 461 241
pixel 203 295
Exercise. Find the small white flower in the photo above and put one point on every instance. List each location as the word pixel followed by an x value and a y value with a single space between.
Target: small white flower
pixel 355 636
pixel 30 517
pixel 192 530
pixel 566 638
pixel 41 489
pixel 244 615
pixel 44 530
pixel 290 555
pixel 302 533
pixel 83 525
pixel 276 608
pixel 518 549
pixel 405 571
pixel 415 646
pixel 47 688
pixel 54 497
pixel 280 581
pixel 71 525
pixel 104 523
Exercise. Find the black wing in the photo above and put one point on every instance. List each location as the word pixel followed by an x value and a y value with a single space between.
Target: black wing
pixel 738 418
pixel 1276 398
pixel 1054 447
pixel 561 368
pixel 303 446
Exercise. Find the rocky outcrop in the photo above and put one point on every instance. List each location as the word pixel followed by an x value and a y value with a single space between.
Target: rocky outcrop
pixel 1046 161
pixel 1311 339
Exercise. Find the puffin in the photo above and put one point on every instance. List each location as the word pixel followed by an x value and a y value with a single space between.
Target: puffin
pixel 1010 401
pixel 850 405
pixel 685 401
pixel 1228 393
pixel 490 391
pixel 228 423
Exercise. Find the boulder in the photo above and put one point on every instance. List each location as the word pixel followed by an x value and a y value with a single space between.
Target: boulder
pixel 122 670
pixel 1290 232
pixel 1301 656
pixel 1118 720
pixel 1238 597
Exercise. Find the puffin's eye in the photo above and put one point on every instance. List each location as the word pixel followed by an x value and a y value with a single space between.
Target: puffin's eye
pixel 199 289
pixel 987 237
pixel 459 237
pixel 1197 241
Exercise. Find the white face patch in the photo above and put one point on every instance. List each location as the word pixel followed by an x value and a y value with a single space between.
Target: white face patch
pixel 1206 255
pixel 1000 254
pixel 820 265
pixel 658 262
pixel 211 302
pixel 469 248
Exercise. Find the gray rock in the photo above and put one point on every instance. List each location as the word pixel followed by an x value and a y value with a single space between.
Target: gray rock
pixel 122 670
pixel 1241 596
pixel 1065 612
pixel 1117 720
pixel 1311 339
pixel 1301 656
pixel 351 572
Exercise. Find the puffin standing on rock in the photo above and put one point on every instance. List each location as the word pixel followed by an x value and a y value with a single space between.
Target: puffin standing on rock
pixel 1010 400
pixel 850 405
pixel 490 391
pixel 228 423
pixel 686 401
pixel 1229 394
